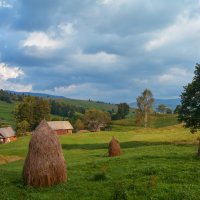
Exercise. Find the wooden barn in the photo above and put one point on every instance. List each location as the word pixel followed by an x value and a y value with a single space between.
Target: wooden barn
pixel 7 134
pixel 61 127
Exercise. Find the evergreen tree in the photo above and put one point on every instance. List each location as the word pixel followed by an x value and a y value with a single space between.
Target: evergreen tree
pixel 189 111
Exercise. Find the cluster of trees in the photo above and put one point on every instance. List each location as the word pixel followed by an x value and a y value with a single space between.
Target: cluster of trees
pixel 9 97
pixel 30 112
pixel 122 111
pixel 95 120
pixel 65 110
pixel 164 109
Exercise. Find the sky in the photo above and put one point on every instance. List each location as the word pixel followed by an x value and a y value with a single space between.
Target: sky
pixel 106 50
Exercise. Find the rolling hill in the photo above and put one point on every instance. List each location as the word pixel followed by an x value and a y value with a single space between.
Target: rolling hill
pixel 76 102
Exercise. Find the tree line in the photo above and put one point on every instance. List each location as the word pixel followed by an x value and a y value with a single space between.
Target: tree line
pixel 9 97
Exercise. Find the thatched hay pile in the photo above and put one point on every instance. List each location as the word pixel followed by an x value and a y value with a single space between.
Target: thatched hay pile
pixel 114 148
pixel 45 163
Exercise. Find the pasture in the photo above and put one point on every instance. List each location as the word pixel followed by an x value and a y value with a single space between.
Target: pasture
pixel 7 110
pixel 156 163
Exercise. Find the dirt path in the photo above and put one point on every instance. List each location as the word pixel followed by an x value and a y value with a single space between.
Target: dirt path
pixel 8 159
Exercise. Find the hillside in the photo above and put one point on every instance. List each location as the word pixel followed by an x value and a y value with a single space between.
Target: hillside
pixel 77 102
pixel 6 112
pixel 155 164
pixel 90 104
pixel 7 109
pixel 157 121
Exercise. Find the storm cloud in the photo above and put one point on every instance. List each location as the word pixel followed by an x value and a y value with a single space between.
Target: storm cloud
pixel 109 50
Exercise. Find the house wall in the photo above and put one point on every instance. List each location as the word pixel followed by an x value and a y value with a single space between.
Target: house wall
pixel 10 139
pixel 63 132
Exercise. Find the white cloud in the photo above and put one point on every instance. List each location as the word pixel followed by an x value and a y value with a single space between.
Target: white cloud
pixel 140 81
pixel 97 58
pixel 185 29
pixel 7 85
pixel 176 76
pixel 113 2
pixel 67 28
pixel 7 72
pixel 88 91
pixel 41 40
pixel 66 89
pixel 4 4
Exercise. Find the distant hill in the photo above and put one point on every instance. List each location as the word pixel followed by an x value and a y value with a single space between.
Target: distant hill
pixel 171 103
pixel 37 94
pixel 76 102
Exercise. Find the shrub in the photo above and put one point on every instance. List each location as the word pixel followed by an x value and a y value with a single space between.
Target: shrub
pixel 100 176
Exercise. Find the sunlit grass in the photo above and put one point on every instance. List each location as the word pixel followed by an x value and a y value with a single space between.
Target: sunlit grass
pixel 155 164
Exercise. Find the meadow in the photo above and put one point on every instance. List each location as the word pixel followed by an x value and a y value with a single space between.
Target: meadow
pixel 156 163
pixel 6 112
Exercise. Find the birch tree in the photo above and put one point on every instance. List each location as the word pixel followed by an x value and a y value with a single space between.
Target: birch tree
pixel 145 105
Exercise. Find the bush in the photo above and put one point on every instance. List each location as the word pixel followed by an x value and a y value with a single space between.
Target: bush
pixel 100 176
pixel 22 128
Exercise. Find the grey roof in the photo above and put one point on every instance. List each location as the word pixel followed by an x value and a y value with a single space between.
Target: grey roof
pixel 7 132
pixel 60 125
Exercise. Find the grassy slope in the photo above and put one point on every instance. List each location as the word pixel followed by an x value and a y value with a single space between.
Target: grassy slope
pixel 6 112
pixel 155 164
pixel 90 104
pixel 6 109
pixel 156 122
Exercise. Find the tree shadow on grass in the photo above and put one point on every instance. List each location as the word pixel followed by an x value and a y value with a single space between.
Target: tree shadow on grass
pixel 124 145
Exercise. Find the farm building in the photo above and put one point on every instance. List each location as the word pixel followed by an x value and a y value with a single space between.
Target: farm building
pixel 61 127
pixel 7 134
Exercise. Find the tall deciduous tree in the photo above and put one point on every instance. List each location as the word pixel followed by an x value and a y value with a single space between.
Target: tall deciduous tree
pixel 123 110
pixel 189 111
pixel 162 108
pixel 96 119
pixel 32 110
pixel 145 105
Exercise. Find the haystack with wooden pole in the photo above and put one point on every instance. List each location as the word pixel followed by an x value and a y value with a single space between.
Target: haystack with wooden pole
pixel 45 163
pixel 114 148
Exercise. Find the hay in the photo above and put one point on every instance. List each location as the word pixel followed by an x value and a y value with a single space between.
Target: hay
pixel 114 148
pixel 45 163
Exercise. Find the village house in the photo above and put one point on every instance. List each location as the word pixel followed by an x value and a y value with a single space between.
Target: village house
pixel 7 134
pixel 61 127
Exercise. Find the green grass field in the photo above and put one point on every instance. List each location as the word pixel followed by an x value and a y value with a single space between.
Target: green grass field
pixel 89 104
pixel 6 112
pixel 157 121
pixel 156 163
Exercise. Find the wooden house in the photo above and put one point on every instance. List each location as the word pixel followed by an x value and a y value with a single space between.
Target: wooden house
pixel 7 134
pixel 61 127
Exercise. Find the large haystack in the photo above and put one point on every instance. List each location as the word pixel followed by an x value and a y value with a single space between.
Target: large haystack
pixel 45 163
pixel 114 148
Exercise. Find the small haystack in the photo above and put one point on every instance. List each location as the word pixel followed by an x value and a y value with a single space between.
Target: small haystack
pixel 114 148
pixel 45 163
